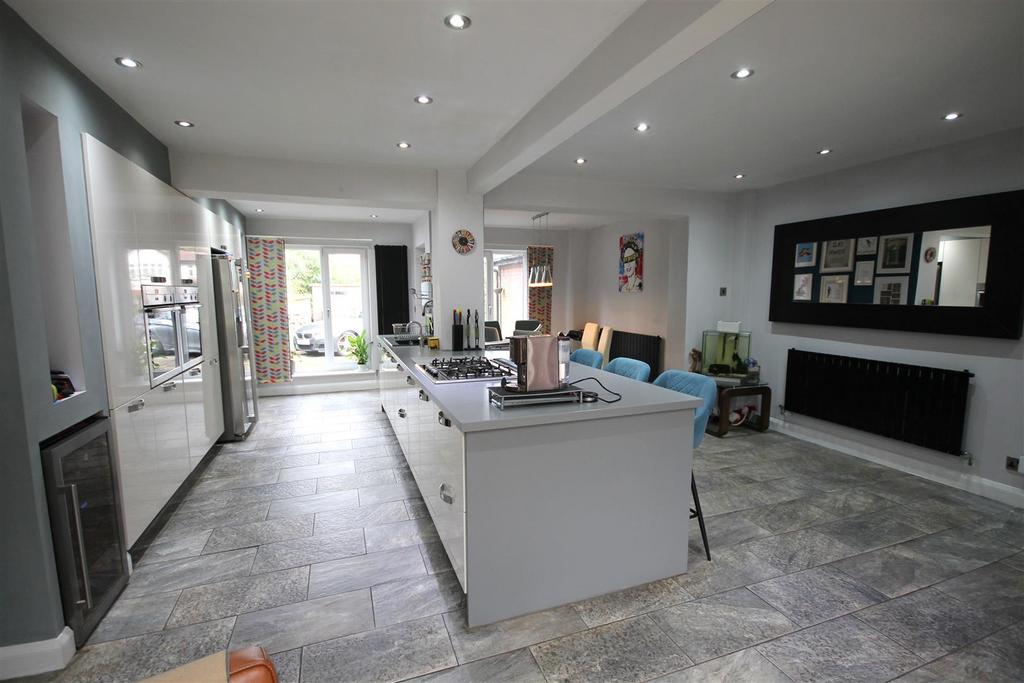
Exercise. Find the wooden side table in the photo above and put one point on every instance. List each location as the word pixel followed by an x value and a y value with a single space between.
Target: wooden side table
pixel 727 392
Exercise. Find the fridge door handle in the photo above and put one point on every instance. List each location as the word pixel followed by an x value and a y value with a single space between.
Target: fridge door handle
pixel 76 516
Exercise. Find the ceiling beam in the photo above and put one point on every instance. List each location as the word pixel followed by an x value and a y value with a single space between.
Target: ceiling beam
pixel 654 40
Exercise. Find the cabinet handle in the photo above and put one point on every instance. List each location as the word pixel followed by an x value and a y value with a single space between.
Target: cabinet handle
pixel 136 406
pixel 401 412
pixel 194 372
pixel 442 420
pixel 410 381
pixel 446 495
pixel 76 517
pixel 423 396
pixel 170 386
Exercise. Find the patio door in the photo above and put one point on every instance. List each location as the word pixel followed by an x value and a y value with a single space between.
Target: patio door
pixel 328 303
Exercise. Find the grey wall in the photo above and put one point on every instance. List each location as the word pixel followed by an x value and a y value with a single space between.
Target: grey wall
pixel 226 212
pixel 31 69
pixel 993 163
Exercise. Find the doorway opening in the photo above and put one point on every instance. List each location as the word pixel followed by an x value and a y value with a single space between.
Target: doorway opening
pixel 505 288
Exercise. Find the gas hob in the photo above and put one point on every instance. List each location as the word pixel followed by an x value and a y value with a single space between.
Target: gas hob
pixel 468 369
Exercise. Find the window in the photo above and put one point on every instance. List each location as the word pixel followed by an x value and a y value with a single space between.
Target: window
pixel 321 320
pixel 505 287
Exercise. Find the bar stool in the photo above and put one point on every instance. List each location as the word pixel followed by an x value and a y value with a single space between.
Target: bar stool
pixel 630 367
pixel 586 357
pixel 704 388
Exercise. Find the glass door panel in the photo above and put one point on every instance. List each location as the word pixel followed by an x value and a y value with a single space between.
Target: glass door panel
pixel 347 302
pixel 306 309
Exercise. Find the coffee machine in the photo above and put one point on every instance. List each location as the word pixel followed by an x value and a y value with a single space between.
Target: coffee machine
pixel 538 363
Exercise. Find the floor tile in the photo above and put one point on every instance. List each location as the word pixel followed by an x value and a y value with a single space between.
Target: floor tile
pixel 321 502
pixel 510 634
pixel 844 649
pixel 250 494
pixel 941 510
pixel 919 519
pixel 237 596
pixel 869 532
pixel 379 463
pixel 733 567
pixel 211 482
pixel 999 658
pixel 928 623
pixel 215 517
pixel 1015 562
pixel 258 533
pixel 193 571
pixel 300 551
pixel 723 623
pixel 393 653
pixel 370 495
pixel 316 471
pixel 511 667
pixel 788 516
pixel 335 521
pixel 796 550
pixel 417 508
pixel 816 595
pixel 725 530
pixel 175 547
pixel 712 480
pixel 135 616
pixel 435 557
pixel 848 502
pixel 745 666
pixel 364 571
pixel 906 490
pixel 355 454
pixel 416 597
pixel 288 665
pixel 347 482
pixel 301 623
pixel 631 602
pixel 136 658
pixel 996 590
pixel 630 650
pixel 400 534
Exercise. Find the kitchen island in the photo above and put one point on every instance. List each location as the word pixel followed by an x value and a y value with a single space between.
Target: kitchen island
pixel 539 506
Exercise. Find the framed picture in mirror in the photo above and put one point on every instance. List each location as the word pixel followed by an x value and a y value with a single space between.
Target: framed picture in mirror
pixel 894 253
pixel 865 274
pixel 834 289
pixel 837 256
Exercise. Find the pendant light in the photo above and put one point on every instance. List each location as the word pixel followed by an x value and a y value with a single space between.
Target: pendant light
pixel 540 276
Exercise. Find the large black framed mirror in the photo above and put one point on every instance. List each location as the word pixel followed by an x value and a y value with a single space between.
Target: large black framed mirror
pixel 950 267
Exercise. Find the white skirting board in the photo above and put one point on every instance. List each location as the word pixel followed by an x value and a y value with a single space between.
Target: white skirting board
pixel 971 483
pixel 37 657
pixel 357 381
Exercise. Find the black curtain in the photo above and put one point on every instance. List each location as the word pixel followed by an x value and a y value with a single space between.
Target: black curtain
pixel 392 286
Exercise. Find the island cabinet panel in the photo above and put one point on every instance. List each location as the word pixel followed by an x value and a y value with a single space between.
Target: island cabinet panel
pixel 442 484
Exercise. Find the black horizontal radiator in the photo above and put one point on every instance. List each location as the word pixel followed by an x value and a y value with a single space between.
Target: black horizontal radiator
pixel 643 347
pixel 912 403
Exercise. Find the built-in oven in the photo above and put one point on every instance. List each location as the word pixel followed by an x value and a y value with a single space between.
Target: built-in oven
pixel 173 335
pixel 191 332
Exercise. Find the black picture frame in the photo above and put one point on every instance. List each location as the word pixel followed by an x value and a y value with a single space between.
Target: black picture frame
pixel 1002 313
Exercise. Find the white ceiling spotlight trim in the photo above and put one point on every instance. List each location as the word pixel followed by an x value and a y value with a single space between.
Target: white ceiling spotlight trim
pixel 740 176
pixel 403 145
pixel 424 99
pixel 824 151
pixel 259 210
pixel 580 161
pixel 742 73
pixel 182 123
pixel 373 215
pixel 457 22
pixel 642 127
pixel 128 62
pixel 952 116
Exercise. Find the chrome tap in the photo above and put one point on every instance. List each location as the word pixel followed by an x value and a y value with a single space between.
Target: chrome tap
pixel 419 327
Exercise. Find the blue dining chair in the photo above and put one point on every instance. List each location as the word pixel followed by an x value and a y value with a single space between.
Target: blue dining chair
pixel 705 389
pixel 587 357
pixel 630 367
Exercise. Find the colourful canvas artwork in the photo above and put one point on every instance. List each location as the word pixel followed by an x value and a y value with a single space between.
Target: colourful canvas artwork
pixel 631 262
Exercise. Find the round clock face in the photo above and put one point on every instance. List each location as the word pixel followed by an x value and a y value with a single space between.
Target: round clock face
pixel 929 254
pixel 463 241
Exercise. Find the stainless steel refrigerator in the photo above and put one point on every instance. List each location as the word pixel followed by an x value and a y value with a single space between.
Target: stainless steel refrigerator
pixel 234 335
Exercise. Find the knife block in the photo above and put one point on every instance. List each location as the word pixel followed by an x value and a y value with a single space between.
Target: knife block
pixel 457 337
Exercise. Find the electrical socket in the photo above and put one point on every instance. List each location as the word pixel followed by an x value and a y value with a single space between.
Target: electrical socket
pixel 1013 463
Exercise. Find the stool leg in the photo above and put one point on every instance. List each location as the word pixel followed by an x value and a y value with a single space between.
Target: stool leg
pixel 700 516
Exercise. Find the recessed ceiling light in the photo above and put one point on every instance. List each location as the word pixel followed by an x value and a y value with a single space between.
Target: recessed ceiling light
pixel 641 127
pixel 184 124
pixel 259 210
pixel 373 215
pixel 739 176
pixel 128 62
pixel 457 21
pixel 742 73
pixel 952 116
pixel 825 151
pixel 403 145
pixel 424 99
pixel 580 161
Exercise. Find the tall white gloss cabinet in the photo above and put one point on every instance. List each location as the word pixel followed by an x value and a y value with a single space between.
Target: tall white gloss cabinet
pixel 143 229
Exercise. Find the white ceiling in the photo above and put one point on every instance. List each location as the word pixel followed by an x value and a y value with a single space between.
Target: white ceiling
pixel 328 81
pixel 505 218
pixel 867 79
pixel 326 212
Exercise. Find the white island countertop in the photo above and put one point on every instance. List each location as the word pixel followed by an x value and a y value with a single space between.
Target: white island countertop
pixel 467 405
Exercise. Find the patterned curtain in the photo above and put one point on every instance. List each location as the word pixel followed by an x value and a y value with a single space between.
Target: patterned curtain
pixel 268 297
pixel 540 297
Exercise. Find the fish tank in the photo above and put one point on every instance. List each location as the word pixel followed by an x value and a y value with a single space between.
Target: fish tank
pixel 725 353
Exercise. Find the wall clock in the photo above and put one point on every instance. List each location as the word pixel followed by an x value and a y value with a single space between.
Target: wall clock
pixel 463 241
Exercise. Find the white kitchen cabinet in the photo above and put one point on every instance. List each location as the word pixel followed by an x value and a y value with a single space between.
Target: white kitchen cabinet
pixel 171 421
pixel 115 193
pixel 203 408
pixel 444 490
pixel 213 401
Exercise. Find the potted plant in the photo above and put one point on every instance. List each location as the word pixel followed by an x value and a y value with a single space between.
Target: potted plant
pixel 360 348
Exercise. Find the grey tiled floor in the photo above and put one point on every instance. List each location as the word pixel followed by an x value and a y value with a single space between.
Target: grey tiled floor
pixel 310 540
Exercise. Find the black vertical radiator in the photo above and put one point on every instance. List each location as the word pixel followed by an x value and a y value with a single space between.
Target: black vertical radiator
pixel 643 347
pixel 912 403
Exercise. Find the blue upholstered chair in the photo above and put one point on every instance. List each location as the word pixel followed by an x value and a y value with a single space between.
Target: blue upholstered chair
pixel 704 388
pixel 630 367
pixel 587 357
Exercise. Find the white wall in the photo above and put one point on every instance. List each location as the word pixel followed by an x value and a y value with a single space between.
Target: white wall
pixel 994 428
pixel 458 278
pixel 660 309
